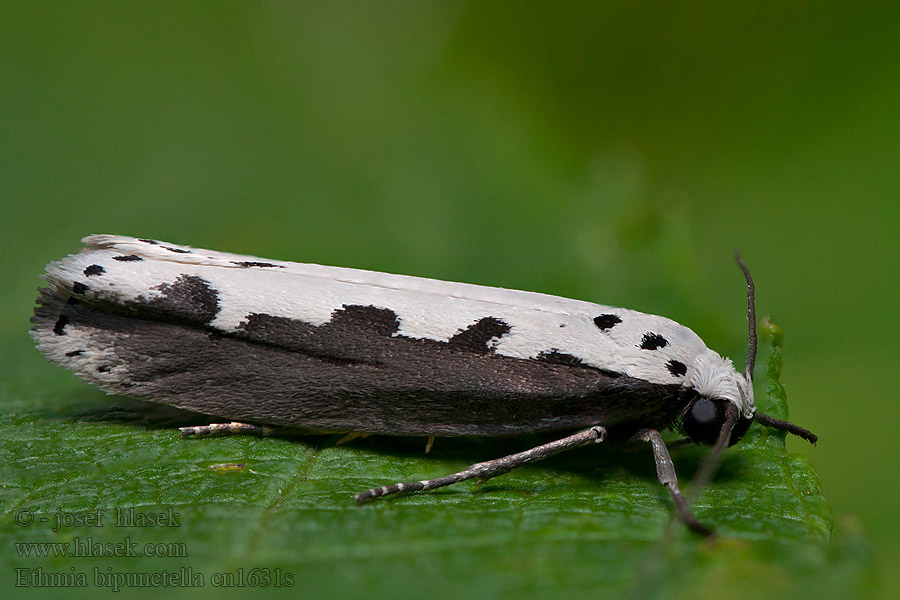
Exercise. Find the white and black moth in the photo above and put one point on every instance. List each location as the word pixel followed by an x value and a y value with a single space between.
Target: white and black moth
pixel 328 349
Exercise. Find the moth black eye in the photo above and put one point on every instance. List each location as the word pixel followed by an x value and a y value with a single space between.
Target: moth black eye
pixel 704 420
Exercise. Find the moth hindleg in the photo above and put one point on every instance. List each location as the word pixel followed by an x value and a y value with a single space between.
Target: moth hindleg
pixel 492 468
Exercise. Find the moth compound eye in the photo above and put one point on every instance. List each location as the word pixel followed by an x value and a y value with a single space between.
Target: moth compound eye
pixel 703 421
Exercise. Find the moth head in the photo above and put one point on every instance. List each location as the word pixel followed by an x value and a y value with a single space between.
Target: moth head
pixel 720 397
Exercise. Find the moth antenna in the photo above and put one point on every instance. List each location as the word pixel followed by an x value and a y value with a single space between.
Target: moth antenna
pixel 751 317
pixel 787 426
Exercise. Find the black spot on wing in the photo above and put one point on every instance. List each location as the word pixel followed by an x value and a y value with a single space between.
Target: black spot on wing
pixel 653 341
pixel 676 368
pixel 252 263
pixel 607 321
pixel 261 327
pixel 568 360
pixel 59 328
pixel 177 250
pixel 365 319
pixel 75 353
pixel 151 242
pixel 127 258
pixel 561 358
pixel 347 339
pixel 188 299
pixel 79 288
pixel 476 337
pixel 94 270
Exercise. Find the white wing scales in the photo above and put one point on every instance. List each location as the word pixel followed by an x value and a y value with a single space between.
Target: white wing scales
pixel 426 308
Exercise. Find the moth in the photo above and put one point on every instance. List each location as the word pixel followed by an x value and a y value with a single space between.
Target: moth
pixel 326 349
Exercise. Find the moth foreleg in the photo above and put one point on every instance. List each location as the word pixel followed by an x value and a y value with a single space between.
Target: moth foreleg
pixel 485 470
pixel 665 471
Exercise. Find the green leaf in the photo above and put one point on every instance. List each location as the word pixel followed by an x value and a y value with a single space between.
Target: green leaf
pixel 278 513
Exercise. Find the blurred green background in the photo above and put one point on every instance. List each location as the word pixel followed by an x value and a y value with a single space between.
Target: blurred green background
pixel 613 152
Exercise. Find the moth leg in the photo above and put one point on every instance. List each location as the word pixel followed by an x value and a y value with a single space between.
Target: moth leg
pixel 485 470
pixel 665 471
pixel 349 437
pixel 233 428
